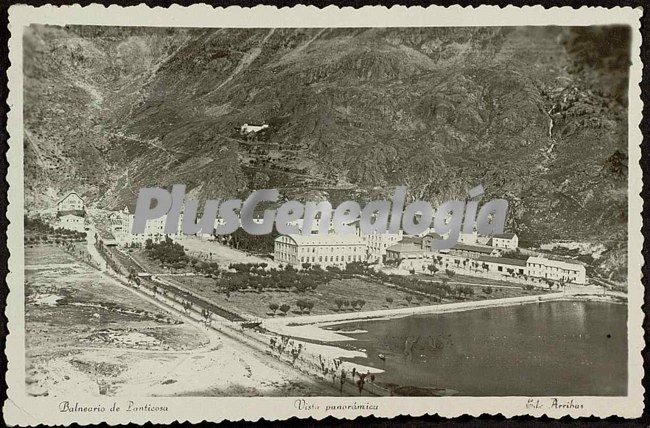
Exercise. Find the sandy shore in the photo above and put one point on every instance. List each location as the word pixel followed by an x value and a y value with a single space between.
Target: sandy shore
pixel 313 327
pixel 310 327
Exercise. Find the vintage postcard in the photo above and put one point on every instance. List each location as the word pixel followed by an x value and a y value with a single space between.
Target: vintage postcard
pixel 243 213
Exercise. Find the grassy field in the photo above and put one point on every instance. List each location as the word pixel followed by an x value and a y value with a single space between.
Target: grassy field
pixel 324 297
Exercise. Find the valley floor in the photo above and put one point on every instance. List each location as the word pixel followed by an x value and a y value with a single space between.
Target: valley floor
pixel 87 332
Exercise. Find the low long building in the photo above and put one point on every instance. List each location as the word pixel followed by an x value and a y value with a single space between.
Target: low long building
pixel 322 250
pixel 556 270
pixel 503 265
pixel 534 267
pixel 405 250
pixel 473 251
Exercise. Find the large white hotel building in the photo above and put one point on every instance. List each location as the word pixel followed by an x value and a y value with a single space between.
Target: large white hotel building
pixel 323 250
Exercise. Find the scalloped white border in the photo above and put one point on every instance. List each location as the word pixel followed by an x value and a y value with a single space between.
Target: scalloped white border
pixel 28 411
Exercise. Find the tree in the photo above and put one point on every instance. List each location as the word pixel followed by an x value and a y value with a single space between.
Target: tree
pixel 361 303
pixel 285 308
pixel 450 273
pixel 389 300
pixel 302 287
pixel 432 268
pixel 338 302
pixel 302 305
pixel 409 298
pixel 306 265
pixel 487 290
pixel 273 307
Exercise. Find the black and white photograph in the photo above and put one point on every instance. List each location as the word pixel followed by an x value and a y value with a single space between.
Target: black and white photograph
pixel 378 267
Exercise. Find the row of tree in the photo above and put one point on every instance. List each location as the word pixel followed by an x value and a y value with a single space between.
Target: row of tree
pixel 345 303
pixel 304 306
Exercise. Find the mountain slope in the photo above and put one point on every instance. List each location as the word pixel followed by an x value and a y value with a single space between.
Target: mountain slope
pixel 532 114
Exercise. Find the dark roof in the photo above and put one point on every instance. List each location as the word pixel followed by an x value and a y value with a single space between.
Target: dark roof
pixel 69 194
pixel 78 213
pixel 433 235
pixel 474 248
pixel 505 235
pixel 411 239
pixel 405 247
pixel 503 260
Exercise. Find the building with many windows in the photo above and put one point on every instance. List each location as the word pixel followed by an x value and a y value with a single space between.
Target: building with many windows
pixel 121 225
pixel 377 243
pixel 556 270
pixel 503 265
pixel 323 250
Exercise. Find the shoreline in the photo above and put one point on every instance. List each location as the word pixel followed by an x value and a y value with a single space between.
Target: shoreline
pixel 311 327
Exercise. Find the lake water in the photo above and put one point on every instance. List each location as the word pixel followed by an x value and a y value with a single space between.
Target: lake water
pixel 545 349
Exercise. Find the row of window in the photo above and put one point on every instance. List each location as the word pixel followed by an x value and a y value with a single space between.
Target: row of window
pixel 281 246
pixel 326 259
pixel 552 268
pixel 286 256
pixel 553 274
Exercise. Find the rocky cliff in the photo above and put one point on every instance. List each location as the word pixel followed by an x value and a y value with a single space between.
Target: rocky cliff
pixel 536 115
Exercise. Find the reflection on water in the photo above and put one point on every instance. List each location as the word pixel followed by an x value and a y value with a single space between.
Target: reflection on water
pixel 552 349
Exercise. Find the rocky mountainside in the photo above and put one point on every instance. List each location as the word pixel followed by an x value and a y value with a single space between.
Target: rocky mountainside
pixel 536 115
